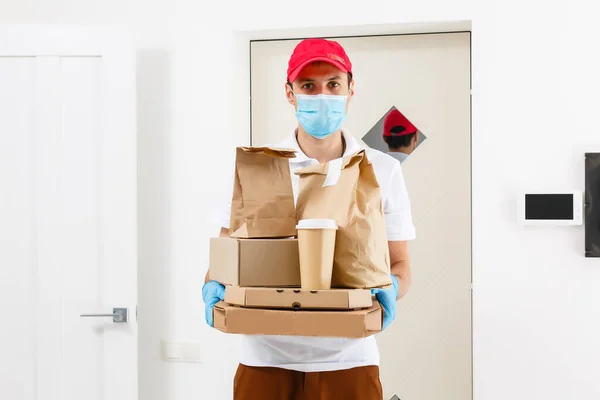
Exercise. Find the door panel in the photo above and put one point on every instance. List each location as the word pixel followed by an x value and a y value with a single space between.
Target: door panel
pixel 18 284
pixel 66 127
pixel 426 353
pixel 80 99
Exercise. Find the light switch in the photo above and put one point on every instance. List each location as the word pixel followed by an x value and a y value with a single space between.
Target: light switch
pixel 181 351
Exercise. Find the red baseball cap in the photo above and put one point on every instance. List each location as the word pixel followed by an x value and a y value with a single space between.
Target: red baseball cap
pixel 395 118
pixel 311 50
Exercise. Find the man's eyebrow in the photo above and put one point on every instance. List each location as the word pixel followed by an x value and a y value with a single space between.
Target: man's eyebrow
pixel 302 80
pixel 335 78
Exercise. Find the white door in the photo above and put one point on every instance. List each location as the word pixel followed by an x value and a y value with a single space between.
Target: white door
pixel 426 353
pixel 67 214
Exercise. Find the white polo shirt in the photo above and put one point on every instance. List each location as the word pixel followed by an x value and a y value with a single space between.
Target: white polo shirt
pixel 310 354
pixel 398 155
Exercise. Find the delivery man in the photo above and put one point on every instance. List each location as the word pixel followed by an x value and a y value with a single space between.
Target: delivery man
pixel 319 87
pixel 400 135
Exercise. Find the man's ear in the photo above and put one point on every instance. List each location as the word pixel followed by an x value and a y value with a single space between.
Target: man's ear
pixel 289 94
pixel 350 94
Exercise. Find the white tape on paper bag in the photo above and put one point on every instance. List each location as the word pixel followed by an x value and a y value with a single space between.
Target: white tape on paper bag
pixel 334 170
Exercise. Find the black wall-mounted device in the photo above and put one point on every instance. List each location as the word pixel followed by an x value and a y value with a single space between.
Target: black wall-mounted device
pixel 592 205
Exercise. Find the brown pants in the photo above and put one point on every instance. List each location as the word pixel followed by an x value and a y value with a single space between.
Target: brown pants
pixel 265 383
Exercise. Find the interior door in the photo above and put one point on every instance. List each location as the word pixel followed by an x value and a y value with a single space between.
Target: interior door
pixel 67 214
pixel 426 353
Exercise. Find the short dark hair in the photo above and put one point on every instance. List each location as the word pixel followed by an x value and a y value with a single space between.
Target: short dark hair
pixel 396 142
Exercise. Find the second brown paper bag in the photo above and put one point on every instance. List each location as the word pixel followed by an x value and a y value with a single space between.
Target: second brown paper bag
pixel 347 190
pixel 263 200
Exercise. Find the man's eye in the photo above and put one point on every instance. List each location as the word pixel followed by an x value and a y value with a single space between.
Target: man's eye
pixel 334 84
pixel 307 86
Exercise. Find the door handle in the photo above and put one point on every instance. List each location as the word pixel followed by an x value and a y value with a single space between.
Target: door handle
pixel 119 315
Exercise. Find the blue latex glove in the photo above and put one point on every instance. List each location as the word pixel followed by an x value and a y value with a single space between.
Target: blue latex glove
pixel 387 299
pixel 212 293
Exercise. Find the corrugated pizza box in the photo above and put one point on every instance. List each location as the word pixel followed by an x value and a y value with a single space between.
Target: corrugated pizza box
pixel 333 299
pixel 255 321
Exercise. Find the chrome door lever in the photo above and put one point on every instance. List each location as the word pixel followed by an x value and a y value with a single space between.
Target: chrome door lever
pixel 119 315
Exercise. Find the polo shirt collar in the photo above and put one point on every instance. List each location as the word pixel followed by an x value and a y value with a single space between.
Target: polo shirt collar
pixel 352 146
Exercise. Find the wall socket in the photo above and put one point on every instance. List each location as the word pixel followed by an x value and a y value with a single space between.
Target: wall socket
pixel 178 351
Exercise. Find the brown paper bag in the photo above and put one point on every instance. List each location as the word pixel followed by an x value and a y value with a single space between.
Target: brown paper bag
pixel 347 190
pixel 263 200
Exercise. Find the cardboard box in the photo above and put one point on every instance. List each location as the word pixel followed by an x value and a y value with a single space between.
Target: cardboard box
pixel 256 321
pixel 334 299
pixel 255 262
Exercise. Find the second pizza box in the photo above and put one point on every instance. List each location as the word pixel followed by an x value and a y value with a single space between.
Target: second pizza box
pixel 333 299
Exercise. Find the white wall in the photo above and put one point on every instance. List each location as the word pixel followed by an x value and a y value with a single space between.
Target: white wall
pixel 536 85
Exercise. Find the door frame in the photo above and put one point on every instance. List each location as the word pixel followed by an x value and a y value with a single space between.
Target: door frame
pixel 242 75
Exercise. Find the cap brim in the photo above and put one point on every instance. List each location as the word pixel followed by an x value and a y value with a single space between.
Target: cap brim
pixel 294 74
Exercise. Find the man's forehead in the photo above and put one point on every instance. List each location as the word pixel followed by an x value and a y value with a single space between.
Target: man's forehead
pixel 320 71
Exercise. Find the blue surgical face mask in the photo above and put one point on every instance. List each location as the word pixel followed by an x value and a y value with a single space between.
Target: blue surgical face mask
pixel 321 115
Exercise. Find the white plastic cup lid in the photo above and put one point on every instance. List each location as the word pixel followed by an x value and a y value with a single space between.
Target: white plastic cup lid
pixel 317 224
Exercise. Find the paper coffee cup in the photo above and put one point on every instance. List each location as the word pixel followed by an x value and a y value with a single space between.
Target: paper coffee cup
pixel 316 245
